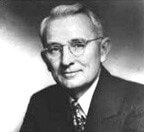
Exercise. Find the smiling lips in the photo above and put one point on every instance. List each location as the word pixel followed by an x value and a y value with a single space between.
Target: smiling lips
pixel 70 74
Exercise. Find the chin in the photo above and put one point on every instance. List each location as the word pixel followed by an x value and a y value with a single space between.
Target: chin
pixel 73 84
pixel 70 85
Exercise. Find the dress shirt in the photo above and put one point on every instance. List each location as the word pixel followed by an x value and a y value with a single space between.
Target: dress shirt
pixel 85 99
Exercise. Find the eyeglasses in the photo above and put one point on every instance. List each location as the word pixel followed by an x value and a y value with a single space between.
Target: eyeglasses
pixel 75 46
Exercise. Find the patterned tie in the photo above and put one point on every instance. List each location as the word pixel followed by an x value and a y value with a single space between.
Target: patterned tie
pixel 79 118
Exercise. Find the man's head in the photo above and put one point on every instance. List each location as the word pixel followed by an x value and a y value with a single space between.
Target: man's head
pixel 74 46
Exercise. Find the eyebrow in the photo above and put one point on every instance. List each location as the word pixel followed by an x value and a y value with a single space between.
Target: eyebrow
pixel 68 40
pixel 57 43
pixel 75 39
pixel 52 43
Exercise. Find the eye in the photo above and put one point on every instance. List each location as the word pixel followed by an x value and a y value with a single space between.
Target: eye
pixel 54 48
pixel 78 43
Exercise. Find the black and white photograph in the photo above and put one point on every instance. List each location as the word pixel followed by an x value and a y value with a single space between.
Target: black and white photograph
pixel 72 65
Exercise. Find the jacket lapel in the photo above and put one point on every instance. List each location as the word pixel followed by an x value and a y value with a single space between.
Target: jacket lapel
pixel 103 105
pixel 60 114
pixel 66 126
pixel 62 123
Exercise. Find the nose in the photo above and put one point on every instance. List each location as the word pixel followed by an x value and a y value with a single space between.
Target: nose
pixel 67 58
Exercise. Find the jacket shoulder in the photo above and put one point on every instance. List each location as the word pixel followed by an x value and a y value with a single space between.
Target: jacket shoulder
pixel 128 85
pixel 133 92
pixel 50 95
pixel 118 83
pixel 47 91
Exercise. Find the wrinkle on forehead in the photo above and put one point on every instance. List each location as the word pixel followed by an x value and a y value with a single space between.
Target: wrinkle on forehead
pixel 75 26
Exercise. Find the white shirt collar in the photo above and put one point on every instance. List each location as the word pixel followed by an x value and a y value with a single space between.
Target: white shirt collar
pixel 85 99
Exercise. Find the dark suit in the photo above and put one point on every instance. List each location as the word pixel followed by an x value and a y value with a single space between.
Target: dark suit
pixel 117 106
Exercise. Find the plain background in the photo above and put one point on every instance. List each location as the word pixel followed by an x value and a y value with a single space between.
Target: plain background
pixel 22 72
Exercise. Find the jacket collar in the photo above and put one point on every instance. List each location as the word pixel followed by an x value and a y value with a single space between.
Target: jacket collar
pixel 103 105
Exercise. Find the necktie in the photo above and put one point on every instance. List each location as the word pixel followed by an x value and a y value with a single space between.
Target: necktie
pixel 79 118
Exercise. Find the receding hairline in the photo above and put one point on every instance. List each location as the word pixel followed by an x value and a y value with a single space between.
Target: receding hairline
pixel 63 11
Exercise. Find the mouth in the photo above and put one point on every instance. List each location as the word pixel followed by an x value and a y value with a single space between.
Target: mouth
pixel 70 74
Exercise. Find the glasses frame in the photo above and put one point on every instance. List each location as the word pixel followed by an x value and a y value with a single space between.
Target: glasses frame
pixel 45 51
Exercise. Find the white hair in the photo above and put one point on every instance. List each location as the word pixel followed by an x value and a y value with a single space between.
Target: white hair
pixel 67 10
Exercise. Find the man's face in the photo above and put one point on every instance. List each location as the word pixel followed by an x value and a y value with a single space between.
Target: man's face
pixel 71 71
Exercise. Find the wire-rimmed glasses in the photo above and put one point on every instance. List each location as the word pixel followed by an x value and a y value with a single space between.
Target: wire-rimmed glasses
pixel 75 46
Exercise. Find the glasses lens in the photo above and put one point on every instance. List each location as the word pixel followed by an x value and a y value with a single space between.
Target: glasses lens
pixel 53 50
pixel 77 46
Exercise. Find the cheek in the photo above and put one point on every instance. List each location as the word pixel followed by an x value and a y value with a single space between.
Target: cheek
pixel 91 58
pixel 54 66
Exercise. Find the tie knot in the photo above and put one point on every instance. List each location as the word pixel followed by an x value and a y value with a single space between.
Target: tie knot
pixel 75 104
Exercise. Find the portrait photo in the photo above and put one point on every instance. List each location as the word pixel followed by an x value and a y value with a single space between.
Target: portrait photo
pixel 72 65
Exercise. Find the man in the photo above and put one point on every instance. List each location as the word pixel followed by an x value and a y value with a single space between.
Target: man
pixel 86 97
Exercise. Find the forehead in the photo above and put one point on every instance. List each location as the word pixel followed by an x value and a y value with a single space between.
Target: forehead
pixel 69 27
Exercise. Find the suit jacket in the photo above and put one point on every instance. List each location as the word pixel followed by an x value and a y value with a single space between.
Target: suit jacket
pixel 117 106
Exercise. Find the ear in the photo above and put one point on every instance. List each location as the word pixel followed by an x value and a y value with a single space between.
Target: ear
pixel 105 48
